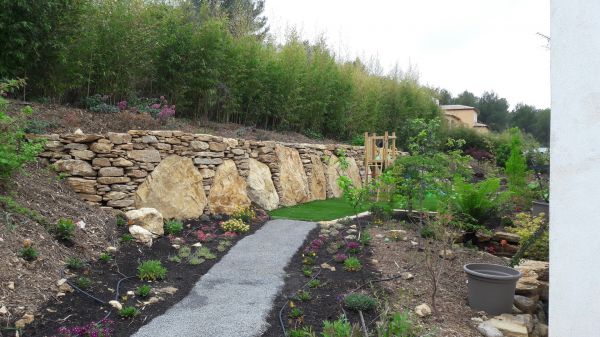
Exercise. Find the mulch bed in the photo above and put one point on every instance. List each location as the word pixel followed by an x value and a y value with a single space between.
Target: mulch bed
pixel 327 299
pixel 76 309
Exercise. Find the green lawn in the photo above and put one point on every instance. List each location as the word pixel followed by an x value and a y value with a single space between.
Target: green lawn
pixel 318 210
pixel 330 209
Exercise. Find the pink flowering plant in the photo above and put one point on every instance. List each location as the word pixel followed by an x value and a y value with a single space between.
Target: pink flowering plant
pixel 94 329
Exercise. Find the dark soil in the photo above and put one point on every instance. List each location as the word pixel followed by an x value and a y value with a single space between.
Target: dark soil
pixel 327 299
pixel 76 309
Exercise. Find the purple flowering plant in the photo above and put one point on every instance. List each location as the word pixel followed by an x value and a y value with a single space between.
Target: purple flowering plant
pixel 353 247
pixel 93 329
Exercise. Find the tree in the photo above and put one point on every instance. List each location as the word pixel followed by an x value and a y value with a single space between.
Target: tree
pixel 244 16
pixel 542 127
pixel 466 98
pixel 493 111
pixel 524 117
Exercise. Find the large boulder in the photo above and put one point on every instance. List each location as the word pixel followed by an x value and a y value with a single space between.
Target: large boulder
pixel 292 177
pixel 174 188
pixel 261 189
pixel 333 174
pixel 147 218
pixel 318 182
pixel 228 191
pixel 353 172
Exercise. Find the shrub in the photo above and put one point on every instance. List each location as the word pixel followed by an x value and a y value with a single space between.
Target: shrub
pixel 105 257
pixel 74 263
pixel 143 290
pixel 15 149
pixel 358 140
pixel 28 253
pixel 516 169
pixel 235 225
pixel 380 213
pixel 65 229
pixel 151 270
pixel 398 325
pixel 173 227
pixel 246 214
pixel 128 312
pixel 526 226
pixel 359 302
pixel 352 264
pixel 479 201
pixel 84 282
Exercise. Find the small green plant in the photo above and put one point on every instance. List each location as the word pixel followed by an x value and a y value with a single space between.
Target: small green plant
pixel 195 260
pixel 398 324
pixel 143 290
pixel 128 312
pixel 126 238
pixel 304 332
pixel 303 296
pixel 173 227
pixel 365 238
pixel 352 264
pixel 28 253
pixel 105 257
pixel 74 263
pixel 204 252
pixel 360 302
pixel 151 270
pixel 307 271
pixel 121 221
pixel 84 282
pixel 296 312
pixel 314 283
pixel 65 229
pixel 235 225
pixel 338 328
pixel 223 245
pixel 175 259
pixel 184 252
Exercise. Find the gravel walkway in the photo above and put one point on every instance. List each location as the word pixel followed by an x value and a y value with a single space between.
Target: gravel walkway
pixel 234 298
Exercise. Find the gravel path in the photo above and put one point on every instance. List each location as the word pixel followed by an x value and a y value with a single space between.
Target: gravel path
pixel 234 298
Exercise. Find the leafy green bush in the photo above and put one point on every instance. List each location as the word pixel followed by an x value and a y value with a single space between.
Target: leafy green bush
pixel 479 201
pixel 15 149
pixel 358 140
pixel 360 302
pixel 173 227
pixel 516 170
pixel 143 290
pixel 151 270
pixel 65 229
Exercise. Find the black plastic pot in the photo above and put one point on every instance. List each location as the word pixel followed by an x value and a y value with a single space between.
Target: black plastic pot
pixel 491 287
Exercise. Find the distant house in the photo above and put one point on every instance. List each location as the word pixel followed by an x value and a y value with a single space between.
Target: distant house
pixel 462 115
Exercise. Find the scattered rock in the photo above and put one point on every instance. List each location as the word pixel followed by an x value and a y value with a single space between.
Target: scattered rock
pixel 509 237
pixel 488 330
pixel 447 254
pixel 540 330
pixel 3 310
pixel 525 304
pixel 407 276
pixel 116 304
pixel 147 218
pixel 25 320
pixel 398 235
pixel 130 293
pixel 11 285
pixel 197 244
pixel 63 286
pixel 423 310
pixel 350 237
pixel 111 249
pixel 327 266
pixel 152 300
pixel 513 325
pixel 166 290
pixel 141 234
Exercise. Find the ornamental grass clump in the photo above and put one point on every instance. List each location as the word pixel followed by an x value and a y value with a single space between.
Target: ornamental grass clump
pixel 129 312
pixel 235 225
pixel 360 302
pixel 143 290
pixel 352 264
pixel 173 227
pixel 151 270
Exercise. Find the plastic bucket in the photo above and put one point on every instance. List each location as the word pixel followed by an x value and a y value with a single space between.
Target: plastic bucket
pixel 491 287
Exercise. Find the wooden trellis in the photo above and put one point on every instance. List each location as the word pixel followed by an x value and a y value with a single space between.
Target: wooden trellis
pixel 380 153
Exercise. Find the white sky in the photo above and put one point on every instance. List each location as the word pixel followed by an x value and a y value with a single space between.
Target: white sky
pixel 478 45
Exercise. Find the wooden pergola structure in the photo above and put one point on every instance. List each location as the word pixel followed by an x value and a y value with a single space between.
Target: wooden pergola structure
pixel 380 153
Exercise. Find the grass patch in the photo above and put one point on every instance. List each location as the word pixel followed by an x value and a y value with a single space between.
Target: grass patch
pixel 318 210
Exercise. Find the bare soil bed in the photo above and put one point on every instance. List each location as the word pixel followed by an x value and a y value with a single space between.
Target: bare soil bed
pixel 394 257
pixel 77 309
pixel 53 118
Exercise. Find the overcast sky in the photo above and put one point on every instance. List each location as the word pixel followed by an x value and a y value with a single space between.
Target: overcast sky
pixel 478 45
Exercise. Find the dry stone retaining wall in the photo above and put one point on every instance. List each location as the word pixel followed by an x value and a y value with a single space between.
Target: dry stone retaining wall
pixel 185 174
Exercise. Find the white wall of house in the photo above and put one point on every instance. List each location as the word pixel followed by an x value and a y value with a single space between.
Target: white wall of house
pixel 575 165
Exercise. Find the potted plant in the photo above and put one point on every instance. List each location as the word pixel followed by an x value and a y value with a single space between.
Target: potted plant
pixel 491 287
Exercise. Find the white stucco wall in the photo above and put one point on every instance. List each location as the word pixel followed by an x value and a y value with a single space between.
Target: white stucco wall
pixel 575 165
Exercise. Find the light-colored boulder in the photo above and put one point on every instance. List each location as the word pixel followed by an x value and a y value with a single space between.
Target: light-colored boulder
pixel 75 167
pixel 488 330
pixel 228 191
pixel 333 174
pixel 353 172
pixel 261 189
pixel 174 188
pixel 318 182
pixel 141 235
pixel 292 177
pixel 513 325
pixel 148 218
pixel 423 310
